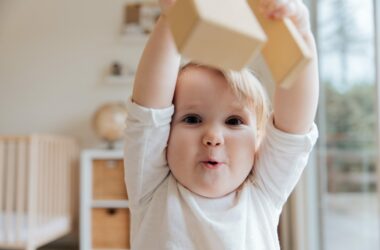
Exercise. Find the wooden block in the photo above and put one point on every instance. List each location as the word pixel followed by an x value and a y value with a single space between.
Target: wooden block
pixel 110 228
pixel 108 180
pixel 223 34
pixel 285 53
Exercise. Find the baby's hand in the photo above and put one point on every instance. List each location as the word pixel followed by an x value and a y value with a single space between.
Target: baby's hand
pixel 295 10
pixel 165 4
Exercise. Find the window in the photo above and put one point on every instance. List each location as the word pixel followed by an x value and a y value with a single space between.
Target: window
pixel 348 150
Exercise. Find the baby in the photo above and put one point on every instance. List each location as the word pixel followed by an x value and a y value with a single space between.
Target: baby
pixel 207 165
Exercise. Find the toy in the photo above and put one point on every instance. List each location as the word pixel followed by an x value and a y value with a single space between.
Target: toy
pixel 222 34
pixel 285 52
pixel 228 34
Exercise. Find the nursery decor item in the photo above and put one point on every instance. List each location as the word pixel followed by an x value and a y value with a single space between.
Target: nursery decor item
pixel 109 122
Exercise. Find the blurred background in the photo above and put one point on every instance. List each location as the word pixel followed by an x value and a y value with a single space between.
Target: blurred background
pixel 61 60
pixel 347 157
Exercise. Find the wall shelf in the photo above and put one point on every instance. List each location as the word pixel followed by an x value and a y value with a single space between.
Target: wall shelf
pixel 119 80
pixel 110 204
pixel 135 39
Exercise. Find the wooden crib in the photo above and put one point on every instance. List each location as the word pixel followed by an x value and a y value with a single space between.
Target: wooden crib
pixel 36 180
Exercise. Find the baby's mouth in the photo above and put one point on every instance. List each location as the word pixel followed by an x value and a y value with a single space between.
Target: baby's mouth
pixel 211 164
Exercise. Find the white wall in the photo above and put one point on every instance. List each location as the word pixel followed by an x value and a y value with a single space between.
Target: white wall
pixel 54 56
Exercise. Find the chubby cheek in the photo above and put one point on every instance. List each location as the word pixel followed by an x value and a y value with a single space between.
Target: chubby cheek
pixel 251 146
pixel 243 151
pixel 180 146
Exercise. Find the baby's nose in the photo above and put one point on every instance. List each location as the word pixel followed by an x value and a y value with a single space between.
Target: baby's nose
pixel 213 138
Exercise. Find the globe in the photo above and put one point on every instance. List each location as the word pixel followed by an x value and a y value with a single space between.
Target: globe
pixel 109 121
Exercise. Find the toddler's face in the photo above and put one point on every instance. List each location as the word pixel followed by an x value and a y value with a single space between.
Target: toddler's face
pixel 212 140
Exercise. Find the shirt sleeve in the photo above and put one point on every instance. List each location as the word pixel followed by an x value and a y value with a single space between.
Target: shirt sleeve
pixel 145 165
pixel 280 161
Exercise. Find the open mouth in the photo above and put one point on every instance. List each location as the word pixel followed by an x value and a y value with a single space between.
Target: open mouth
pixel 211 164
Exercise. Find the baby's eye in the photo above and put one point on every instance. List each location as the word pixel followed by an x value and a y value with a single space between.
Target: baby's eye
pixel 234 121
pixel 192 119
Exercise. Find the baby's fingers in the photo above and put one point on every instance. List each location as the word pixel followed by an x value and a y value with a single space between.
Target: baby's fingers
pixel 268 6
pixel 295 10
pixel 278 13
pixel 278 9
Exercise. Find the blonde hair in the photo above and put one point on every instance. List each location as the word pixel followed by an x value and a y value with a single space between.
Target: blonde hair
pixel 249 90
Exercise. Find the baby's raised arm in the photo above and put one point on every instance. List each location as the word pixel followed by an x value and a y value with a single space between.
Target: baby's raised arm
pixel 295 108
pixel 148 122
pixel 157 72
pixel 288 142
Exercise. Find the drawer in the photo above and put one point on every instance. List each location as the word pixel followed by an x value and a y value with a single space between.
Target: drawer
pixel 110 228
pixel 108 180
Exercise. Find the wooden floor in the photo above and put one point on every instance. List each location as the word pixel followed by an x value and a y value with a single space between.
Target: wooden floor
pixel 69 242
pixel 59 247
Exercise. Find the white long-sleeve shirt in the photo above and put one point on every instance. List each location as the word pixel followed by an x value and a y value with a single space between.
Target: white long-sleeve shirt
pixel 166 215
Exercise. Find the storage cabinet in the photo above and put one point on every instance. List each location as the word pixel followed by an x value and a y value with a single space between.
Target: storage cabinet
pixel 108 180
pixel 105 216
pixel 110 228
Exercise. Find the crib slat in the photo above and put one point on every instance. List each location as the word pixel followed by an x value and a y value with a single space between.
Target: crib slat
pixel 74 177
pixel 63 189
pixel 69 182
pixel 37 180
pixel 57 178
pixel 61 168
pixel 61 164
pixel 32 184
pixel 53 177
pixel 40 180
pixel 50 189
pixel 51 185
pixel 2 188
pixel 10 191
pixel 44 191
pixel 21 191
pixel 43 172
pixel 66 179
pixel 47 156
pixel 47 191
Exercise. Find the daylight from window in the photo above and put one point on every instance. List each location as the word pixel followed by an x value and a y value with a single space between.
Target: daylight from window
pixel 347 121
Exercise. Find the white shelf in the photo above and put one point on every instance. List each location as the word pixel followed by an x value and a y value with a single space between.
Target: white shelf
pixel 89 154
pixel 119 80
pixel 110 204
pixel 86 201
pixel 135 39
pixel 134 35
